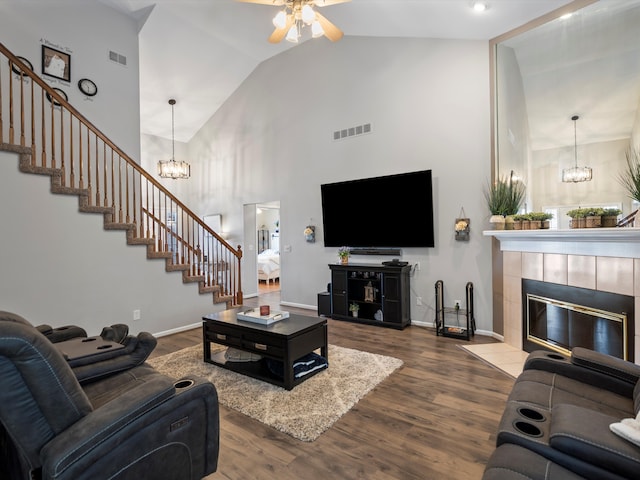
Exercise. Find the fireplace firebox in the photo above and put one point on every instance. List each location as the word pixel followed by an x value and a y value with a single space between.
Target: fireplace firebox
pixel 560 317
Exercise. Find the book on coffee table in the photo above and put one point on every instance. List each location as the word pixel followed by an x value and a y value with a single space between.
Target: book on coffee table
pixel 253 315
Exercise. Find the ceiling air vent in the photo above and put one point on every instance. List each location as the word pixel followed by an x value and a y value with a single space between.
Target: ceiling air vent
pixel 352 131
pixel 117 58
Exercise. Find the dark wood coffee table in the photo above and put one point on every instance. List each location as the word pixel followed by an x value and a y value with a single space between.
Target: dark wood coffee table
pixel 286 341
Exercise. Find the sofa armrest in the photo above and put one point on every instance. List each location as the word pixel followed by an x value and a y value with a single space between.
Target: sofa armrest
pixel 133 435
pixel 590 367
pixel 135 352
pixel 600 362
pixel 585 434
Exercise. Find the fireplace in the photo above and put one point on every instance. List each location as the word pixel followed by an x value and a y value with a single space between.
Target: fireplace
pixel 559 317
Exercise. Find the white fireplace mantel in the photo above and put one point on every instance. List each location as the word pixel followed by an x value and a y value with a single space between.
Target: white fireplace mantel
pixel 602 242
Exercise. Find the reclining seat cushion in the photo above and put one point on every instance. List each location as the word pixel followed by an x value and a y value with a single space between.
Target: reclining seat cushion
pixel 39 384
pixel 549 389
pixel 513 462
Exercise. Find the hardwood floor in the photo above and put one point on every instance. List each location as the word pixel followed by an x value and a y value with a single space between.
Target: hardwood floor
pixel 434 418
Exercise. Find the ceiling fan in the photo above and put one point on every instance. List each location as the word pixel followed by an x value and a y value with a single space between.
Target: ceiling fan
pixel 298 13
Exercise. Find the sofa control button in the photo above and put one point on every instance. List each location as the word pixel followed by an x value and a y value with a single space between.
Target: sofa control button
pixel 260 346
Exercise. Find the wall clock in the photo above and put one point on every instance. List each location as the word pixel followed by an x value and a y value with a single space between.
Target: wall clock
pixel 88 87
pixel 15 69
pixel 59 92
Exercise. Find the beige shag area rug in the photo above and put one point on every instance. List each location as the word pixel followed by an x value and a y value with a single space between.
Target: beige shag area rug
pixel 304 412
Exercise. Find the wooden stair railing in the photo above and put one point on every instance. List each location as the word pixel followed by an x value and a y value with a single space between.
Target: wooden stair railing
pixel 82 161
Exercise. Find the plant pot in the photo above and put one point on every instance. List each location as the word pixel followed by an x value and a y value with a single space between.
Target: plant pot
pixel 526 225
pixel 517 225
pixel 497 222
pixel 354 314
pixel 609 221
pixel 546 224
pixel 593 221
pixel 508 222
pixel 535 224
pixel 344 260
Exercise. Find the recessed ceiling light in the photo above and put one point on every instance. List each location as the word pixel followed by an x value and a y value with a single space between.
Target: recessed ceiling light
pixel 480 6
pixel 566 16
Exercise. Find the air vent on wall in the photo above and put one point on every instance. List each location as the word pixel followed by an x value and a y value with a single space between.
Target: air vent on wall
pixel 117 58
pixel 352 131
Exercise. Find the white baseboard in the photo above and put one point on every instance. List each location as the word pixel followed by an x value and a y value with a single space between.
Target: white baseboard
pixel 300 305
pixel 184 328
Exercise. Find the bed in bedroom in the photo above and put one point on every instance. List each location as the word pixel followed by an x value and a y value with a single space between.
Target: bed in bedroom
pixel 269 266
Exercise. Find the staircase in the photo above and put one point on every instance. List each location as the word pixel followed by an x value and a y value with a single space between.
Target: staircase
pixel 52 138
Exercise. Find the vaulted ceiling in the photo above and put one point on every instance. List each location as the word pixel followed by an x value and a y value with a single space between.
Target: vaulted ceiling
pixel 200 51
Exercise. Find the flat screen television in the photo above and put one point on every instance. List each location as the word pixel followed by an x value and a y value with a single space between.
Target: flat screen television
pixel 391 211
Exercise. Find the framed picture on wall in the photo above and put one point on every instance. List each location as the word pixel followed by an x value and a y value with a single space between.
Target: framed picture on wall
pixel 56 64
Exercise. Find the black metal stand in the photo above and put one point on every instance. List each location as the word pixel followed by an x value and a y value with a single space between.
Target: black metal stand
pixel 445 316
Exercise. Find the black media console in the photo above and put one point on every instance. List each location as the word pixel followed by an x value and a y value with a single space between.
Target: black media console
pixel 381 293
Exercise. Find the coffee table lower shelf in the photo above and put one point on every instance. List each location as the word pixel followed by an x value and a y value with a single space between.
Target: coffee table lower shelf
pixel 257 370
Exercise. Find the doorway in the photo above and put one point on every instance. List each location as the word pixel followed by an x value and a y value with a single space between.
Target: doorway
pixel 268 246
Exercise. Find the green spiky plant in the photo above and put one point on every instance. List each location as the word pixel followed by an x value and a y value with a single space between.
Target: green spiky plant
pixel 504 197
pixel 630 178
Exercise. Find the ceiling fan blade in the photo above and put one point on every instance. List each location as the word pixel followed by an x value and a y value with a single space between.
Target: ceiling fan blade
pixel 332 32
pixel 279 33
pixel 276 3
pixel 326 3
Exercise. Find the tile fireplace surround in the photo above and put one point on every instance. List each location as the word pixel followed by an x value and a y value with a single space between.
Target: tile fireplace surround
pixel 604 259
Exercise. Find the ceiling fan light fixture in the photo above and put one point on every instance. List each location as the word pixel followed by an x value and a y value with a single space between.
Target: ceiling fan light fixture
pixel 316 29
pixel 308 15
pixel 292 34
pixel 280 20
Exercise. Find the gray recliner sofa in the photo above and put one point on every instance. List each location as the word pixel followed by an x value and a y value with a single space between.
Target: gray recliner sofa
pixel 132 424
pixel 558 417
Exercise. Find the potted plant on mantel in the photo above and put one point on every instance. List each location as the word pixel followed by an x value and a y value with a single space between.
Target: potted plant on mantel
pixel 504 198
pixel 630 179
pixel 610 217
pixel 578 217
pixel 541 219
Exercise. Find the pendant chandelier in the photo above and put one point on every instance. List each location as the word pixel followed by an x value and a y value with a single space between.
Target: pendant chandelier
pixel 171 168
pixel 576 174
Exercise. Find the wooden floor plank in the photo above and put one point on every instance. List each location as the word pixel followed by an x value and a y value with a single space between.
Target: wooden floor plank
pixel 434 418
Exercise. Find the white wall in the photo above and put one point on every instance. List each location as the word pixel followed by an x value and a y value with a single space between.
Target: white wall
pixel 87 32
pixel 59 266
pixel 428 103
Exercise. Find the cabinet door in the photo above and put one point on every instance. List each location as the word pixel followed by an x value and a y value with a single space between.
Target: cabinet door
pixel 339 292
pixel 391 299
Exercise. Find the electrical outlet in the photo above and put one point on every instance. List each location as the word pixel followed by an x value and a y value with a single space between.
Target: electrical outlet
pixel 136 314
pixel 418 300
pixel 457 304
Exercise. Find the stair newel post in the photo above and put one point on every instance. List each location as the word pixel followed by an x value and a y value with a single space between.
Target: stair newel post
pixel 239 299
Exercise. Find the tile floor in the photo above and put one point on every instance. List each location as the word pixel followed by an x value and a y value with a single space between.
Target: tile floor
pixel 500 355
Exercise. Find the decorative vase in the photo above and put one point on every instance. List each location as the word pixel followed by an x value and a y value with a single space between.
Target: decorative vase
pixel 344 260
pixel 497 222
